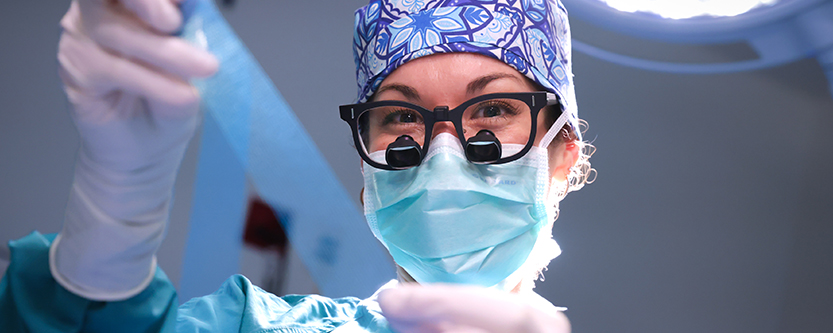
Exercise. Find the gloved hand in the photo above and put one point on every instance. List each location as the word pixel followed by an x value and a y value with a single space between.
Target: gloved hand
pixel 126 79
pixel 450 308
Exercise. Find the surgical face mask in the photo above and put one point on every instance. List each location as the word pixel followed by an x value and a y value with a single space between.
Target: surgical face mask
pixel 449 220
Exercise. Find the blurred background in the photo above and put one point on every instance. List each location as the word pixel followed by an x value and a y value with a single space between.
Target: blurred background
pixel 712 210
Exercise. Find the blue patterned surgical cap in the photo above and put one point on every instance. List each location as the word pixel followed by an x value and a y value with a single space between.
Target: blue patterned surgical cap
pixel 533 36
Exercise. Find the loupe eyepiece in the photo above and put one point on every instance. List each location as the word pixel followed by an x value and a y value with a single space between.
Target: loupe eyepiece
pixel 483 148
pixel 403 153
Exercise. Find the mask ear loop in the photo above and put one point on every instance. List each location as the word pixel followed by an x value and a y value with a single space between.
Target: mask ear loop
pixel 554 129
pixel 555 192
pixel 546 248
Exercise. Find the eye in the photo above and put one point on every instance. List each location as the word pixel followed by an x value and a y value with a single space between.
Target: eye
pixel 491 109
pixel 408 117
pixel 402 116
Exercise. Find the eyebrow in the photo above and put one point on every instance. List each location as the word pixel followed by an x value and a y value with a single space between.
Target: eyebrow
pixel 481 83
pixel 472 88
pixel 408 92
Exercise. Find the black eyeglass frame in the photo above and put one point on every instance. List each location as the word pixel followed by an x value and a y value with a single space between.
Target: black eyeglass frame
pixel 536 101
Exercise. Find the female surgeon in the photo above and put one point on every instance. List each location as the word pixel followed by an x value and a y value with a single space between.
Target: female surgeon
pixel 466 125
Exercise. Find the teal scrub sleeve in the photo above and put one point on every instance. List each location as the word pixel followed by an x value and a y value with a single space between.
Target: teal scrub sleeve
pixel 32 301
pixel 240 306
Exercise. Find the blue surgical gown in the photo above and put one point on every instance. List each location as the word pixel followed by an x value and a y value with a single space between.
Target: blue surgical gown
pixel 32 301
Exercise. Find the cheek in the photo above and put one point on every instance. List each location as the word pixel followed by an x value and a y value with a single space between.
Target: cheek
pixel 559 166
pixel 541 127
pixel 555 150
pixel 377 143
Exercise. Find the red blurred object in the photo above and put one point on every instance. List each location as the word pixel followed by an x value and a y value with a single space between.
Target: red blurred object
pixel 263 228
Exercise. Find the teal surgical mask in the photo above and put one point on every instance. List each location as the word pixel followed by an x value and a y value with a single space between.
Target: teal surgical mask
pixel 449 220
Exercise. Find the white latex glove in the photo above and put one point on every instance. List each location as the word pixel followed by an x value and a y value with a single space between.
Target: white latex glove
pixel 126 80
pixel 450 308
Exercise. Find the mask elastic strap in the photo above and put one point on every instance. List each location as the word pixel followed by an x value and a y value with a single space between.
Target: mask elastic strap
pixel 554 129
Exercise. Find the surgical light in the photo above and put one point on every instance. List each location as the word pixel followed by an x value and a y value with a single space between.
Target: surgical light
pixel 683 9
pixel 780 31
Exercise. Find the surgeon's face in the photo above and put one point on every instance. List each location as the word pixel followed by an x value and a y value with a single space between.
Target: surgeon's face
pixel 450 79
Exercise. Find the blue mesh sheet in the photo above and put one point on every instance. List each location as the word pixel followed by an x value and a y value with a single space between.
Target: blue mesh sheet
pixel 283 164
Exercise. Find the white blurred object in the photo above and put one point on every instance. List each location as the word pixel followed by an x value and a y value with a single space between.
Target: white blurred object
pixel 411 308
pixel 682 9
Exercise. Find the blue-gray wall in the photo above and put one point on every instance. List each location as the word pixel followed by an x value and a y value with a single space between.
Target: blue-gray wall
pixel 712 211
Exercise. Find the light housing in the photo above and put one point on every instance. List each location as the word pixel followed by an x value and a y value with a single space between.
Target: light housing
pixel 779 31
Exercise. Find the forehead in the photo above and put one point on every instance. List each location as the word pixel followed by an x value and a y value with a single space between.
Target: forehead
pixel 450 73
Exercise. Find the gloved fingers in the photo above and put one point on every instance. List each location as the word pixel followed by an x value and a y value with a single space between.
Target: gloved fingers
pixel 162 15
pixel 123 33
pixel 93 72
pixel 83 68
pixel 170 54
pixel 432 326
pixel 177 110
pixel 158 88
pixel 465 330
pixel 118 30
pixel 462 308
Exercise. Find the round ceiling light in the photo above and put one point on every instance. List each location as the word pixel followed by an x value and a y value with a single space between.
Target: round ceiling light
pixel 780 31
pixel 683 9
